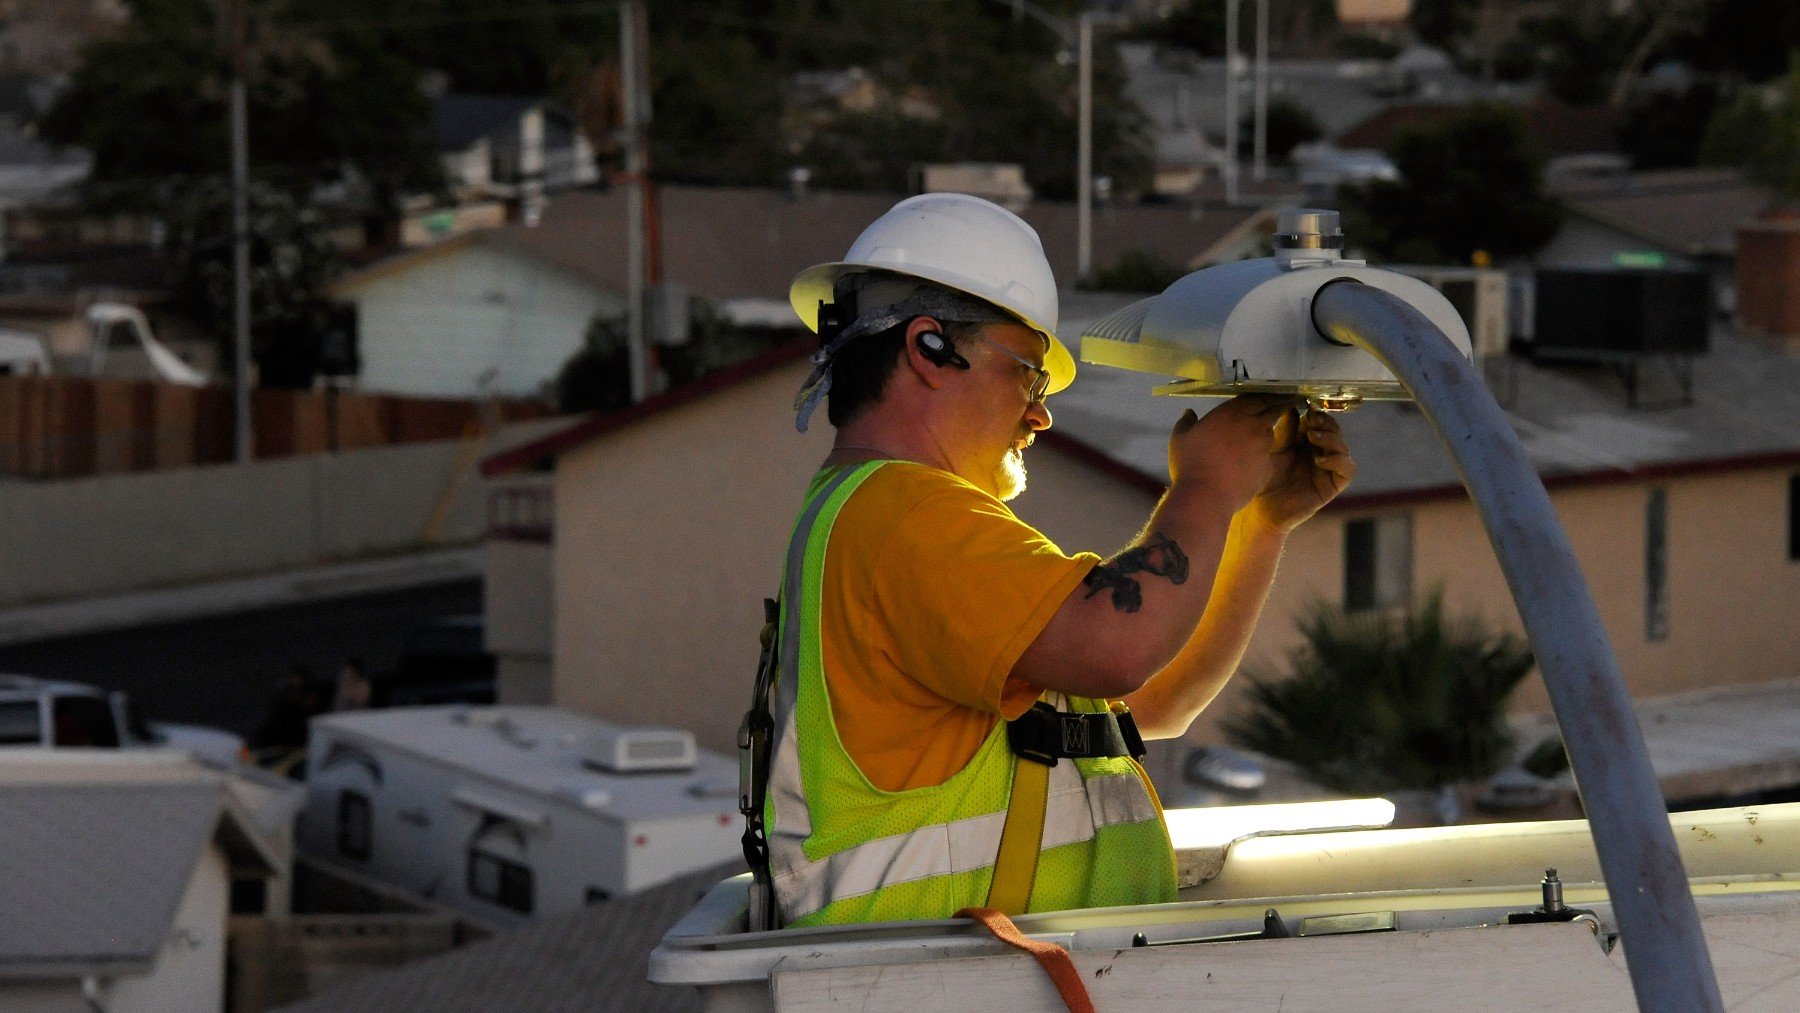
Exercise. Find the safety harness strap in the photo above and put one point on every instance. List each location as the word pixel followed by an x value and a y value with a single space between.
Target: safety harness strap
pixel 754 736
pixel 1015 869
pixel 1044 735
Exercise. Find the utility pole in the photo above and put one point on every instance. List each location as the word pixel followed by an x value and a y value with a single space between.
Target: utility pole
pixel 631 15
pixel 1084 153
pixel 1231 102
pixel 240 233
pixel 1260 152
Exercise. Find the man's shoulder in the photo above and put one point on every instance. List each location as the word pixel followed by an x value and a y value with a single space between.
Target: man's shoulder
pixel 899 488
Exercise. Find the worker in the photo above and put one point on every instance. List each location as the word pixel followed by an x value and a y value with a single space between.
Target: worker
pixel 958 704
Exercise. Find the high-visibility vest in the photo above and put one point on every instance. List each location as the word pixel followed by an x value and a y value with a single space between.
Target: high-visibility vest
pixel 842 850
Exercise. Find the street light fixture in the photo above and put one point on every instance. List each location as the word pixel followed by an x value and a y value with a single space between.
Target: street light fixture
pixel 1308 322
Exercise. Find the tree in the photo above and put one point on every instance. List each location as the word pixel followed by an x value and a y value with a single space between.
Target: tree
pixel 1666 129
pixel 1760 130
pixel 291 262
pixel 1442 23
pixel 1472 183
pixel 150 102
pixel 1199 25
pixel 1288 124
pixel 597 378
pixel 950 81
pixel 1741 40
pixel 1371 704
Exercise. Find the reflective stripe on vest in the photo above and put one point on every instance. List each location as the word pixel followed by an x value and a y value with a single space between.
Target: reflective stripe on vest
pixel 844 850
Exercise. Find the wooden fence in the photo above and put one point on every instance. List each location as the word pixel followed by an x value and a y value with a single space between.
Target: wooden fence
pixel 69 427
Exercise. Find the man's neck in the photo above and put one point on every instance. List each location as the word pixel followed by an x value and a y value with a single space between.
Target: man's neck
pixel 872 437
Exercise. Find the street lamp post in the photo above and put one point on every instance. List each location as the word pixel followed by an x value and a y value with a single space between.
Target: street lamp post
pixel 1259 164
pixel 242 446
pixel 1084 153
pixel 1230 166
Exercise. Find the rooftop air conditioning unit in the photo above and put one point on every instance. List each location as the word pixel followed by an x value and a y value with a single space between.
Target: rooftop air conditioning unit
pixel 639 750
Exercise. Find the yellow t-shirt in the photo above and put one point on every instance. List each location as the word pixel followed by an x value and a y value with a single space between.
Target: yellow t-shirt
pixel 932 589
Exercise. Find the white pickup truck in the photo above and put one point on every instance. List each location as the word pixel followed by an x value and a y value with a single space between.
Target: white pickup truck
pixel 46 713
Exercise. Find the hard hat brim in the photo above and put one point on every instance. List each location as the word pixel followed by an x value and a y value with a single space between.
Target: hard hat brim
pixel 817 283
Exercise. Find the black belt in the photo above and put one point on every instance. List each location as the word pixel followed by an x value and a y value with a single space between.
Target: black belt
pixel 1044 735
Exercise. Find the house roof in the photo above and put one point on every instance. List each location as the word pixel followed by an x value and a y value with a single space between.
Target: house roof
pixel 1556 128
pixel 595 958
pixel 1572 419
pixel 596 424
pixel 1695 212
pixel 100 846
pixel 734 242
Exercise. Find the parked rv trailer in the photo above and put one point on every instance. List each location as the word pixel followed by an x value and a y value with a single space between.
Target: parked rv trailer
pixel 508 813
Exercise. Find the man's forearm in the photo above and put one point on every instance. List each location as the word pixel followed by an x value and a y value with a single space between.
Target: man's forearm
pixel 1169 702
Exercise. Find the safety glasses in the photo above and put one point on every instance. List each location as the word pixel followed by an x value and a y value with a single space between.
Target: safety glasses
pixel 1040 379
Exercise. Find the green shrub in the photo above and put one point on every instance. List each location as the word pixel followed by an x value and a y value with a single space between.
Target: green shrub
pixel 1373 703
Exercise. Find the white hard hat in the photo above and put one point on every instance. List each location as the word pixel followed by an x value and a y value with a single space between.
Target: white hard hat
pixel 961 242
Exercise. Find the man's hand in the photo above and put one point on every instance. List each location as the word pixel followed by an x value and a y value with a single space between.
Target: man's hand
pixel 1230 449
pixel 1311 465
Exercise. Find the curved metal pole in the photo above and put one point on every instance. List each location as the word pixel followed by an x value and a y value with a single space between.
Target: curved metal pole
pixel 1670 967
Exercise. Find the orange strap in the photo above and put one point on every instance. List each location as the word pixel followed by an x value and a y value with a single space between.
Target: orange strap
pixel 1051 957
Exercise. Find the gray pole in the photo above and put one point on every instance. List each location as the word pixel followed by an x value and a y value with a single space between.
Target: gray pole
pixel 1658 923
pixel 1231 101
pixel 1260 155
pixel 636 357
pixel 1084 153
pixel 240 244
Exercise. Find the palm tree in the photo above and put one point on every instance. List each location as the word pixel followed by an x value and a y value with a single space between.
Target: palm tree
pixel 1373 703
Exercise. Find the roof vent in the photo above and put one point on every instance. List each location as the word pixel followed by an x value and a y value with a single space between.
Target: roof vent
pixel 636 750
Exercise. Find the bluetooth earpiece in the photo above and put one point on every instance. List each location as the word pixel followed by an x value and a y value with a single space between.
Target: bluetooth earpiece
pixel 938 351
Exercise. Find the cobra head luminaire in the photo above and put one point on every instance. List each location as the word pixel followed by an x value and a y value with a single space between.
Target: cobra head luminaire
pixel 1248 327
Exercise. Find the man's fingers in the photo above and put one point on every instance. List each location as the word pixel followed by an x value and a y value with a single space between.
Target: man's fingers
pixel 1328 439
pixel 1341 467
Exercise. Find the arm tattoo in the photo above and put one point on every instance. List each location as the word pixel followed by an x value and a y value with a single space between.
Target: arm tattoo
pixel 1159 557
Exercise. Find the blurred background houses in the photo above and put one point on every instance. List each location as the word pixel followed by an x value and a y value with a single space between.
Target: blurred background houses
pixel 513 422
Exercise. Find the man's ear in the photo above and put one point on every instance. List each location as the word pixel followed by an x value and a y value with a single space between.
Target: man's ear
pixel 918 349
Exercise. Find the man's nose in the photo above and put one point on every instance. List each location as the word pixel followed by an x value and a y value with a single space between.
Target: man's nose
pixel 1037 416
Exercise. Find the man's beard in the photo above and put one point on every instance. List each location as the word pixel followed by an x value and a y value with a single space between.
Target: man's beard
pixel 1009 475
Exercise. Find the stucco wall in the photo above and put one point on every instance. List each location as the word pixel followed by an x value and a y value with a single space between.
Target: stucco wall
pixel 669 535
pixel 670 532
pixel 107 534
pixel 434 328
pixel 1730 586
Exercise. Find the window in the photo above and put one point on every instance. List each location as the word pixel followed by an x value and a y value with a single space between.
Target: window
pixel 355 834
pixel 1378 562
pixel 500 880
pixel 19 724
pixel 1656 566
pixel 84 721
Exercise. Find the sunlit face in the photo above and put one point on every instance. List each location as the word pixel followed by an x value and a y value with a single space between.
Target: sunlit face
pixel 1010 359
